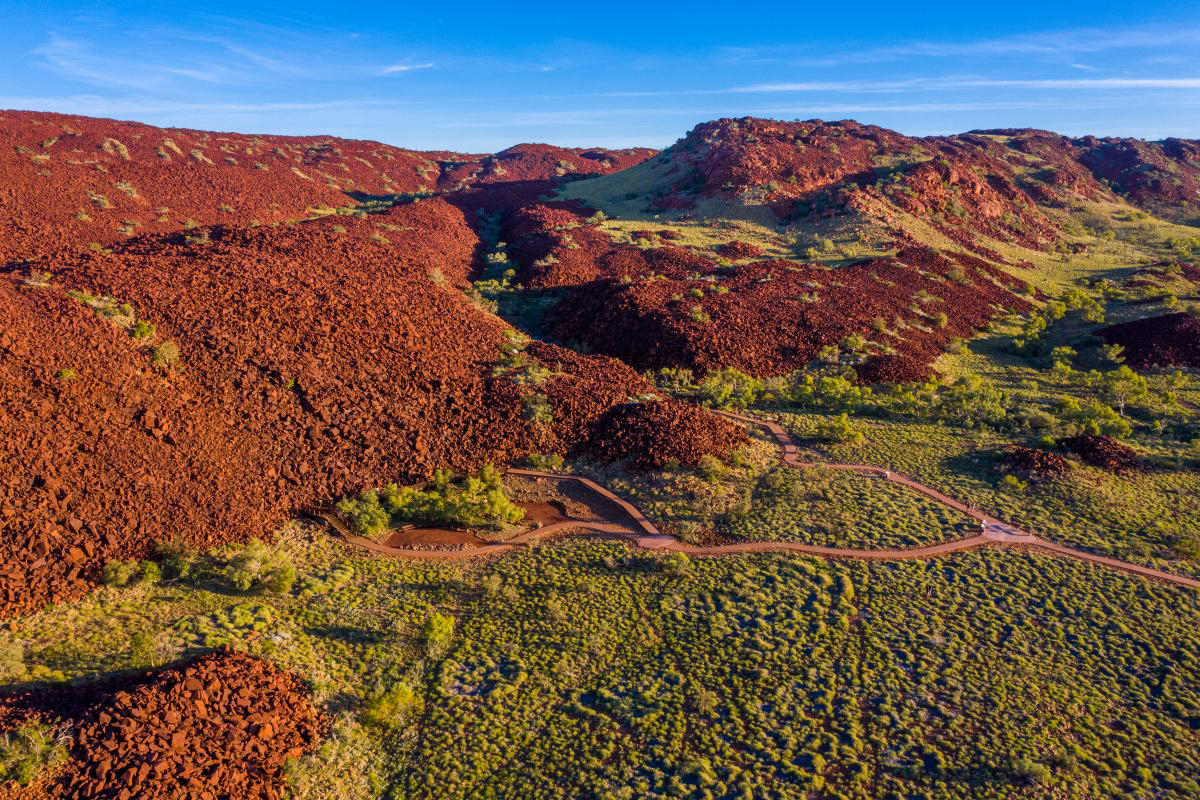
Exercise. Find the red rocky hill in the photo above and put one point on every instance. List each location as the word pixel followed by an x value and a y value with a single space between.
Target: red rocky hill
pixel 313 359
pixel 294 360
pixel 77 180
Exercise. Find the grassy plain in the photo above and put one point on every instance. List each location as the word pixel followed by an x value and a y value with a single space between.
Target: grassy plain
pixel 588 669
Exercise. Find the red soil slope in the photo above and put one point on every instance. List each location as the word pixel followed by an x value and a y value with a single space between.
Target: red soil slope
pixel 1171 340
pixel 1162 176
pixel 664 305
pixel 958 185
pixel 536 162
pixel 220 727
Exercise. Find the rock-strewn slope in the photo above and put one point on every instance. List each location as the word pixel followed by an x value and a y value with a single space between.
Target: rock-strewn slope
pixel 79 180
pixel 222 726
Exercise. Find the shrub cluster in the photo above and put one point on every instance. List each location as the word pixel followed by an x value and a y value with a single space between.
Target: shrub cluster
pixel 477 500
pixel 26 751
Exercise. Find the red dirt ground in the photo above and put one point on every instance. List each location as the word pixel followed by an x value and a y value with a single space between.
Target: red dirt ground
pixel 221 726
pixel 1171 340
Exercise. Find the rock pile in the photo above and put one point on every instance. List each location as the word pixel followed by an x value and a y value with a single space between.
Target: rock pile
pixel 222 726
pixel 657 433
pixel 1034 464
pixel 1170 340
pixel 1103 451
pixel 737 250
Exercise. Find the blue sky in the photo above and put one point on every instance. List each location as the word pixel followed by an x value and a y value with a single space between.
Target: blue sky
pixel 479 77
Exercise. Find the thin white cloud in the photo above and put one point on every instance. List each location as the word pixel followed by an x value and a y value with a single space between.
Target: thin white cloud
pixel 396 69
pixel 924 85
pixel 78 60
pixel 97 105
pixel 143 65
pixel 1046 45
pixel 935 84
pixel 916 108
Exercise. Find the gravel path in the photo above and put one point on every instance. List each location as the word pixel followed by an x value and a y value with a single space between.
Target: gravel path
pixel 642 532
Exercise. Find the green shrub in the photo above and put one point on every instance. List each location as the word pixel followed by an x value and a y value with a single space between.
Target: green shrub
pixel 676 564
pixel 1013 483
pixel 391 708
pixel 1187 546
pixel 143 652
pixel 364 513
pixel 839 429
pixel 710 468
pixel 1030 772
pixel 142 331
pixel 149 573
pixel 28 750
pixel 436 633
pixel 120 573
pixel 165 355
pixel 478 499
pixel 176 562
pixel 547 462
pixel 12 661
pixel 729 388
pixel 280 580
pixel 536 408
pixel 259 567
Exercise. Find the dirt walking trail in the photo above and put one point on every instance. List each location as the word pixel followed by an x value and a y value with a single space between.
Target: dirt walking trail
pixel 637 529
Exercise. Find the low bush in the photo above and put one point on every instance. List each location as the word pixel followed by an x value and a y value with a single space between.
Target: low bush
pixel 547 462
pixel 120 573
pixel 260 568
pixel 393 707
pixel 143 652
pixel 437 633
pixel 12 661
pixel 476 500
pixel 839 429
pixel 142 331
pixel 28 750
pixel 165 355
